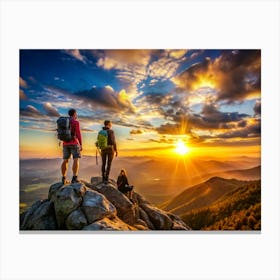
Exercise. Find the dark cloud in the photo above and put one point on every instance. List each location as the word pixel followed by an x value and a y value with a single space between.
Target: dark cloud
pixel 242 123
pixel 173 129
pixel 250 131
pixel 107 98
pixel 235 75
pixel 209 118
pixel 155 98
pixel 187 79
pixel 241 74
pixel 211 114
pixel 257 108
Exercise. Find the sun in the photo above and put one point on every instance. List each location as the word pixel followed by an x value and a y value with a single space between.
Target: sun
pixel 181 148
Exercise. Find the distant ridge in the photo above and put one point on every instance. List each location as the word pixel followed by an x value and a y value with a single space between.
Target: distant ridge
pixel 201 195
pixel 239 209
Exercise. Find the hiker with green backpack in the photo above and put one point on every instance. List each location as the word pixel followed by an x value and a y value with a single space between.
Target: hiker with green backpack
pixel 106 143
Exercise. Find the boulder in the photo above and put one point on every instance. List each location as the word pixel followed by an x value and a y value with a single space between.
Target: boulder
pixel 95 180
pixel 40 216
pixel 96 206
pixel 144 216
pixel 139 199
pixel 76 220
pixel 53 189
pixel 158 217
pixel 125 208
pixel 178 224
pixel 66 199
pixel 109 224
pixel 26 216
pixel 141 225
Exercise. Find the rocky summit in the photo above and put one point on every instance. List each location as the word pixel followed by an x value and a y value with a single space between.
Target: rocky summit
pixel 96 206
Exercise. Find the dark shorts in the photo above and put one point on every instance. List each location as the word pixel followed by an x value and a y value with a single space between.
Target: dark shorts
pixel 73 150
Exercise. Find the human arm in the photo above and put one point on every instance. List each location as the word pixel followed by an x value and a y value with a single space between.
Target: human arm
pixel 113 141
pixel 78 134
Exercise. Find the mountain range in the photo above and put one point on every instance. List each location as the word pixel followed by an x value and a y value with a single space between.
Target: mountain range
pixel 219 204
pixel 239 209
pixel 191 189
pixel 158 179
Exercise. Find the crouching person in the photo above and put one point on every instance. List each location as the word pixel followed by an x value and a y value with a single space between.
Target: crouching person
pixel 123 185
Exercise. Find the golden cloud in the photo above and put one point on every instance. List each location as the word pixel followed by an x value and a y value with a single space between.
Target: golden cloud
pixel 22 95
pixel 234 75
pixel 22 83
pixel 177 53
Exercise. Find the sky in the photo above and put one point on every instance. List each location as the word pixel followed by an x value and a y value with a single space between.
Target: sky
pixel 209 100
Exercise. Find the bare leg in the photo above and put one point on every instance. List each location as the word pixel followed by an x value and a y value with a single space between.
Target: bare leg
pixel 64 167
pixel 75 167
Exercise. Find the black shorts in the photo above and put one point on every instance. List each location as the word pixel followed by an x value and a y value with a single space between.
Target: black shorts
pixel 73 150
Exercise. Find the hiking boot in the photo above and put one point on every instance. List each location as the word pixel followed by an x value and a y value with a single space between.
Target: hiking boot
pixel 75 179
pixel 63 180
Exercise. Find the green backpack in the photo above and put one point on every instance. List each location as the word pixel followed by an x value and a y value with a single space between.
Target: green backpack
pixel 102 139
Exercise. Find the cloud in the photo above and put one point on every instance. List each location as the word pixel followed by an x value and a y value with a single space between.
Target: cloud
pixel 183 121
pixel 137 66
pixel 136 131
pixel 154 98
pixel 59 79
pixel 121 59
pixel 77 55
pixel 107 98
pixel 163 68
pixel 30 111
pixel 50 110
pixel 22 83
pixel 252 130
pixel 235 75
pixel 37 122
pixel 130 66
pixel 211 114
pixel 257 108
pixel 173 129
pixel 22 95
pixel 177 54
